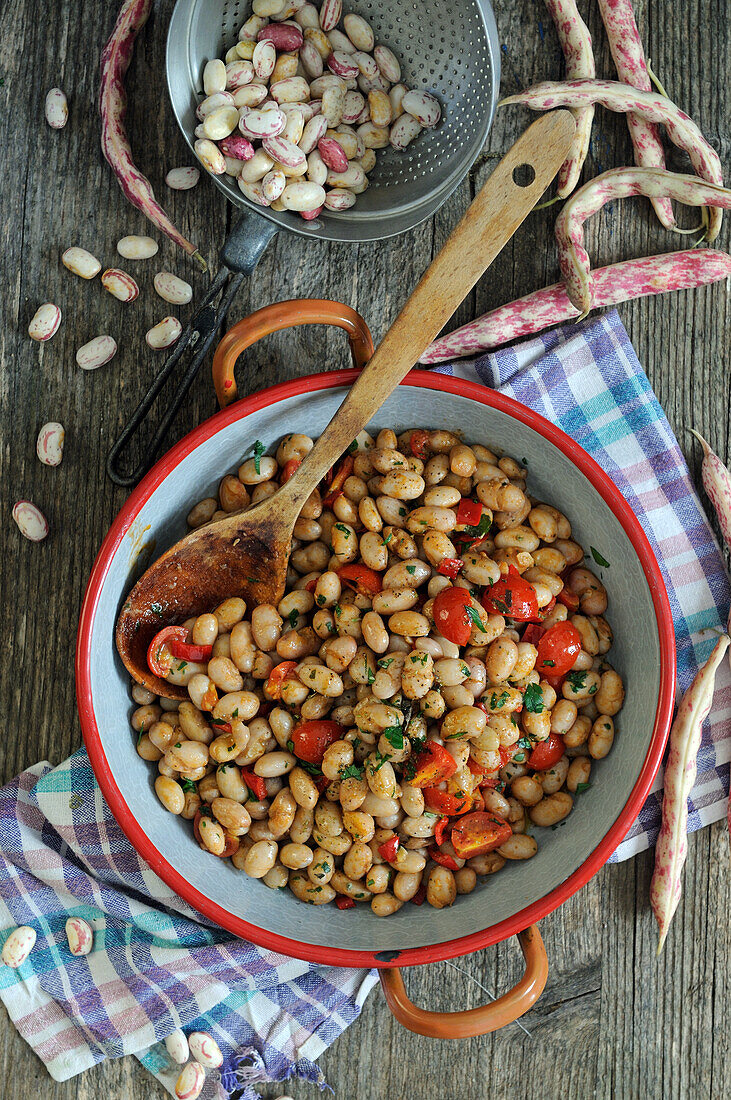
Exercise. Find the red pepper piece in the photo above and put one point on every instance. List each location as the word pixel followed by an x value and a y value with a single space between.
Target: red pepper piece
pixel 479 833
pixel 568 599
pixel 440 829
pixel 289 468
pixel 450 567
pixel 341 475
pixel 444 859
pixel 280 673
pixel 420 895
pixel 389 848
pixel 255 783
pixel 321 783
pixel 344 903
pixel 221 727
pixel 186 651
pixel 442 802
pixel 419 444
pixel 469 512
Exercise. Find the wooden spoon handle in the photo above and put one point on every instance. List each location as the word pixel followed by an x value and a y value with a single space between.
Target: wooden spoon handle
pixel 488 225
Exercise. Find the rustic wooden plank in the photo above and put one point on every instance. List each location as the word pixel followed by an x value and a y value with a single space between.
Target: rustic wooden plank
pixel 613 1022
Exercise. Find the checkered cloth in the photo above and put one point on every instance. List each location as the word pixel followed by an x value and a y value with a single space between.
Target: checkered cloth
pixel 156 964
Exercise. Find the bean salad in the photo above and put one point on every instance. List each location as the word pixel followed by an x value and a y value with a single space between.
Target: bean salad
pixel 433 685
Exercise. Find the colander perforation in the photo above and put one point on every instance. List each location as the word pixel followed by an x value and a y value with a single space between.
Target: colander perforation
pixel 449 50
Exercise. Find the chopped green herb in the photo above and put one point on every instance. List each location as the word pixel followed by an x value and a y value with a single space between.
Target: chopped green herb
pixel 593 689
pixel 252 580
pixel 369 675
pixel 259 450
pixel 337 609
pixel 519 757
pixel 235 712
pixel 479 530
pixel 411 569
pixel 387 539
pixel 452 736
pixel 293 617
pixel 402 511
pixel 418 657
pixel 581 787
pixel 524 461
pixel 550 664
pixel 188 785
pixel 156 609
pixel 385 662
pixel 533 699
pixel 380 760
pixel 178 744
pixel 352 772
pixel 290 745
pixel 395 737
pixel 474 614
pixel 577 680
pixel 598 558
pixel 498 701
pixel 319 599
pixel 353 447
pixel 343 529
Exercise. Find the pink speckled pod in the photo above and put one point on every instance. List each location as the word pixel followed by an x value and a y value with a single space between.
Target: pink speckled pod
pixel 618 97
pixel 717 483
pixel 680 772
pixel 573 34
pixel 629 58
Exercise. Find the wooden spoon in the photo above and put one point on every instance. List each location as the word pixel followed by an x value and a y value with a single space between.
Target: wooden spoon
pixel 246 553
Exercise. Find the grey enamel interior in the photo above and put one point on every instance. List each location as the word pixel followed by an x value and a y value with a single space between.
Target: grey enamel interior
pixel 450 50
pixel 635 654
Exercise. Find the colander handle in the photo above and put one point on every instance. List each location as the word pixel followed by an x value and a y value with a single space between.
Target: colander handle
pixel 280 315
pixel 473 1021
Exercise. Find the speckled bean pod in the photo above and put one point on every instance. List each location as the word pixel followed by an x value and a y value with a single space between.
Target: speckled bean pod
pixel 717 483
pixel 616 184
pixel 629 59
pixel 550 306
pixel 618 97
pixel 680 772
pixel 573 34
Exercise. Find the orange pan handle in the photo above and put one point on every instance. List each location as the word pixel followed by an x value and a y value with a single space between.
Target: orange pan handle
pixel 473 1021
pixel 296 311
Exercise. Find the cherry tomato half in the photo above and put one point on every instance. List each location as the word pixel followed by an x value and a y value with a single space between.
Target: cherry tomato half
pixel 547 753
pixel 187 651
pixel 479 833
pixel 432 765
pixel 441 802
pixel 310 739
pixel 451 617
pixel 568 599
pixel 364 581
pixel 255 783
pixel 557 650
pixel 159 655
pixel 280 673
pixel 511 596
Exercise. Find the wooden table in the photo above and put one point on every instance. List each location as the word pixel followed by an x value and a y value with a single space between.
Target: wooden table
pixel 613 1022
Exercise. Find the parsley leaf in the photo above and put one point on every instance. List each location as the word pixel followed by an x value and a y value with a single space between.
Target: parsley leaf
pixel 498 701
pixel 385 662
pixel 577 680
pixel 581 787
pixel 377 763
pixel 188 785
pixel 290 746
pixel 395 737
pixel 550 664
pixel 259 450
pixel 352 772
pixel 370 678
pixel 293 617
pixel 598 558
pixel 474 615
pixel 533 699
pixel 410 568
pixel 353 447
pixel 343 529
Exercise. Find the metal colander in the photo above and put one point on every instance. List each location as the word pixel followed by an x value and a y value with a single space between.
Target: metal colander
pixel 448 49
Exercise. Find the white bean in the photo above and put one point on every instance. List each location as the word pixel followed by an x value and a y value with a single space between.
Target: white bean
pixel 81 262
pixel 49 445
pixel 172 289
pixel 79 935
pixel 18 946
pixel 303 195
pixel 176 1045
pixel 210 156
pixel 120 285
pixel 214 77
pixel 137 248
pixel 182 179
pixel 96 353
pixel 56 109
pixel 45 321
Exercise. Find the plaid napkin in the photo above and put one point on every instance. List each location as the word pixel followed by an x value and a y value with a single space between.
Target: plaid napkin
pixel 586 378
pixel 156 964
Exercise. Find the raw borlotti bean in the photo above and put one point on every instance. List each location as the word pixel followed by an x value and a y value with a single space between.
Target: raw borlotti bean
pixel 573 34
pixel 96 353
pixel 205 1049
pixel 18 946
pixel 137 248
pixel 49 445
pixel 680 772
pixel 44 322
pixel 310 69
pixel 653 107
pixel 176 1045
pixel 550 306
pixel 188 1086
pixel 116 56
pixel 172 289
pixel 79 935
pixel 629 59
pixel 120 285
pixel 619 183
pixel 80 262
pixel 57 109
pixel 31 522
pixel 164 333
pixel 182 179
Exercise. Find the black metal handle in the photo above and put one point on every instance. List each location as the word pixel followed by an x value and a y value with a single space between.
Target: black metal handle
pixel 240 254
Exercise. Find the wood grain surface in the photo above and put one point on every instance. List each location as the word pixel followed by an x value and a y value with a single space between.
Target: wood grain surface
pixel 613 1022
